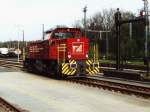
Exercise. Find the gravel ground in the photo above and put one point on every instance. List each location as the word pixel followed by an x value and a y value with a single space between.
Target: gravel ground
pixel 41 94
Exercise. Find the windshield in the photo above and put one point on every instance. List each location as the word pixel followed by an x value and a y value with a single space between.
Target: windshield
pixel 65 35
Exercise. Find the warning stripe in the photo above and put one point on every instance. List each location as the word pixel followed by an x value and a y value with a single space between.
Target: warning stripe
pixel 88 71
pixel 89 61
pixel 97 69
pixel 66 70
pixel 92 71
pixel 64 65
pixel 73 72
pixel 70 71
pixel 72 61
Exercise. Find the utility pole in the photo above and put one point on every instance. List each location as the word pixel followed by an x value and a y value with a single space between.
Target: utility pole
pixel 146 26
pixel 23 37
pixel 10 45
pixel 107 46
pixel 118 28
pixel 43 31
pixel 23 49
pixel 18 51
pixel 130 31
pixel 85 25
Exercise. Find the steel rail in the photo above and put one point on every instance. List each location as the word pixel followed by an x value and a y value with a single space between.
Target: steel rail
pixel 113 86
pixel 11 63
pixel 7 107
pixel 11 59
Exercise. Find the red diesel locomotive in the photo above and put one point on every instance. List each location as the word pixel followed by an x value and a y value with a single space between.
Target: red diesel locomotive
pixel 64 53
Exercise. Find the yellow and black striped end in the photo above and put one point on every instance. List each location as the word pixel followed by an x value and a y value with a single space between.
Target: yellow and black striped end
pixel 67 70
pixel 72 62
pixel 92 70
pixel 89 62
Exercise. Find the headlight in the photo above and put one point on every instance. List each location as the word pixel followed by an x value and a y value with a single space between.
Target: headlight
pixel 69 56
pixel 86 55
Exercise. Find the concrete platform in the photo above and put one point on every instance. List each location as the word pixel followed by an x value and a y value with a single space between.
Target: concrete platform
pixel 41 94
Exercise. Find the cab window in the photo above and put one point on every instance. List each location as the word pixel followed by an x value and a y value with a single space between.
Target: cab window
pixel 63 35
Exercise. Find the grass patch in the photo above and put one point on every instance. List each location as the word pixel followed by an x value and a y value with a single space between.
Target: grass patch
pixel 132 62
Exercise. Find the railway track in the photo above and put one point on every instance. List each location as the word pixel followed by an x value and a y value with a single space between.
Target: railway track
pixel 7 107
pixel 11 63
pixel 127 66
pixel 4 105
pixel 129 88
pixel 116 86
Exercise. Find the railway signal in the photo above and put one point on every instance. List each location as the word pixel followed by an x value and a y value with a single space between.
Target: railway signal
pixel 146 26
pixel 119 22
pixel 142 13
pixel 119 70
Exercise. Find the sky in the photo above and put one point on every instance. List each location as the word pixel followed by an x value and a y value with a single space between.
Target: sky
pixel 29 15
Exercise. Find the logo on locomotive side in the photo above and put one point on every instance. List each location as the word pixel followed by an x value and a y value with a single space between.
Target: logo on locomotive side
pixel 77 47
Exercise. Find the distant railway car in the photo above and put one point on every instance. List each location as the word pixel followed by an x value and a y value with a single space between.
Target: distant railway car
pixel 11 52
pixel 64 53
pixel 4 52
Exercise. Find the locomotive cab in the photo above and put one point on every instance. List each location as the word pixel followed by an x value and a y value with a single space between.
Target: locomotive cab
pixel 70 40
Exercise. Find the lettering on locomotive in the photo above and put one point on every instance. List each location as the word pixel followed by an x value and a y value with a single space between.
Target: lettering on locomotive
pixel 35 49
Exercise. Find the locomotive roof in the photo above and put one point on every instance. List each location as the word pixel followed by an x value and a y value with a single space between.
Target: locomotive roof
pixel 63 30
pixel 39 41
